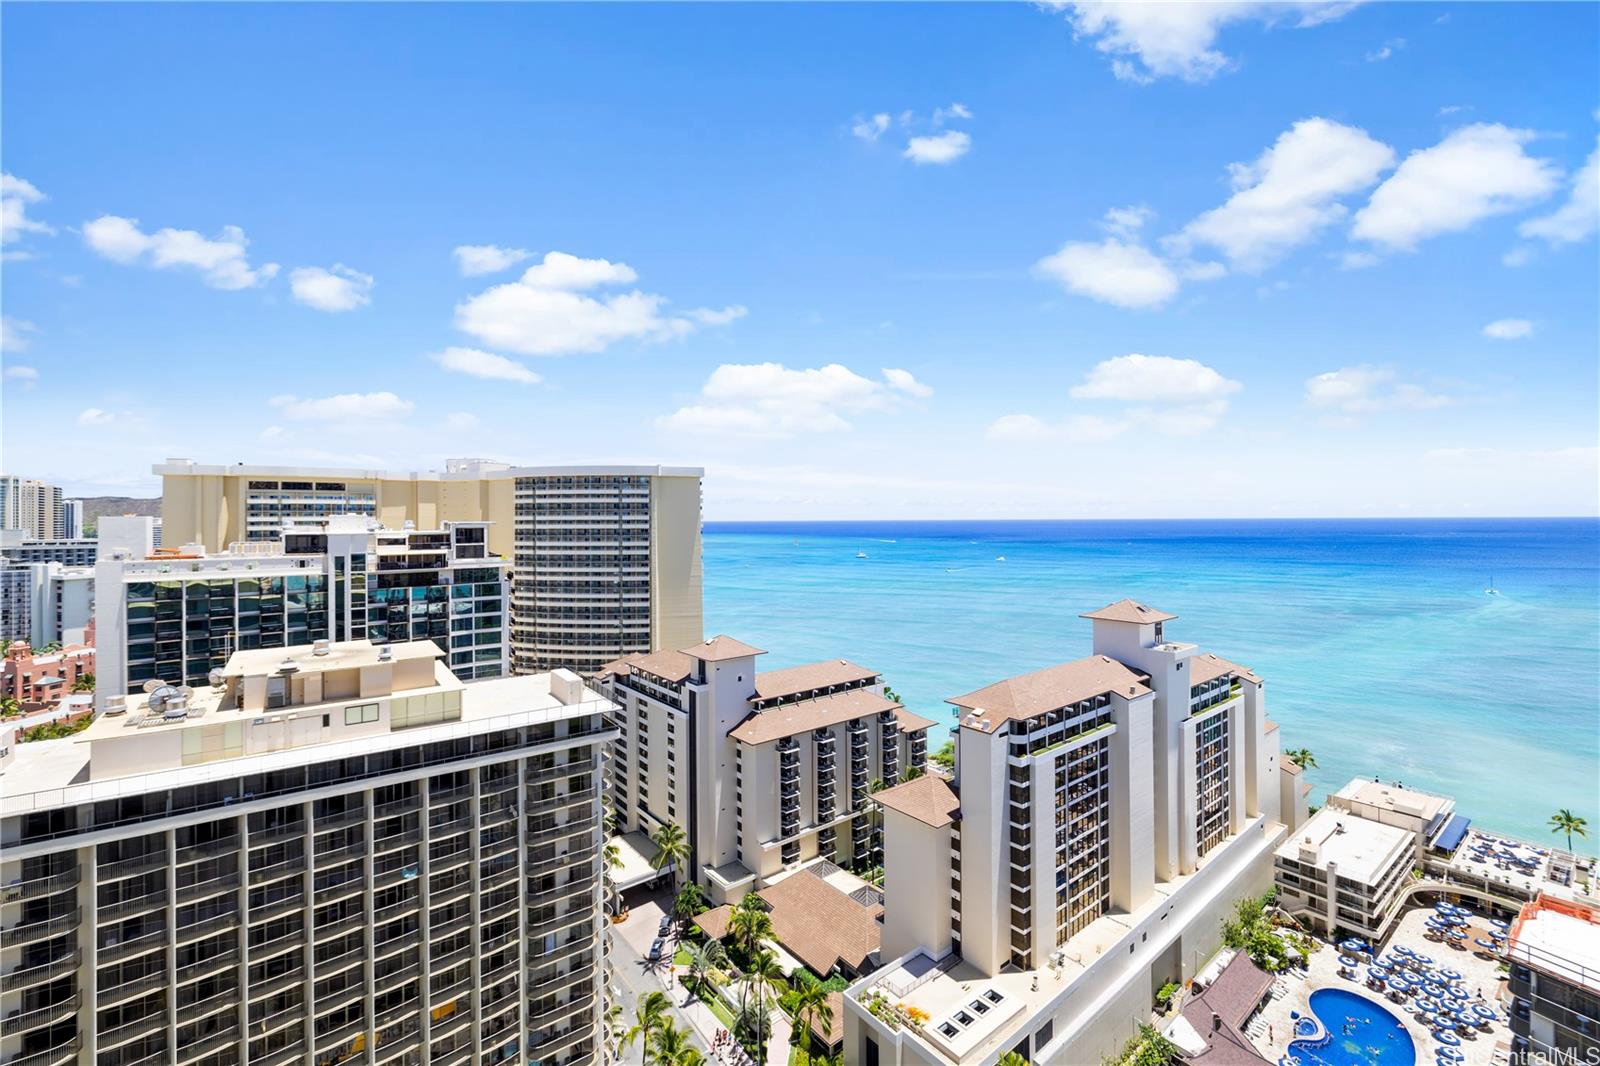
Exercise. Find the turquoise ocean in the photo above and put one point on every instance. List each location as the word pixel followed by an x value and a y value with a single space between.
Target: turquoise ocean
pixel 1382 648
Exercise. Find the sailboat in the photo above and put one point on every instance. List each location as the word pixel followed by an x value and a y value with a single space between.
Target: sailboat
pixel 861 555
pixel 1491 590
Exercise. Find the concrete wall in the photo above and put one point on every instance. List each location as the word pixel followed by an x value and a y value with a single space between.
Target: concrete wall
pixel 677 578
pixel 916 879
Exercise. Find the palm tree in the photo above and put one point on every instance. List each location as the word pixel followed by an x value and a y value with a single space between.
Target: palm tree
pixel 672 849
pixel 1012 1058
pixel 811 1009
pixel 671 1044
pixel 689 901
pixel 911 774
pixel 750 925
pixel 85 683
pixel 613 860
pixel 705 960
pixel 759 975
pixel 649 1016
pixel 613 1030
pixel 1302 758
pixel 1564 821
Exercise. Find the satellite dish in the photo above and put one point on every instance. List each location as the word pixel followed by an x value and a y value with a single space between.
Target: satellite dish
pixel 152 684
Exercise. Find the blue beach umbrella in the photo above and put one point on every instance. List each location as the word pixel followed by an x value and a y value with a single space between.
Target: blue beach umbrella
pixel 1448 1039
pixel 1457 992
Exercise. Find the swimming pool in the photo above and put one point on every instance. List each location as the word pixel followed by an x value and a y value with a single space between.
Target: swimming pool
pixel 1359 1033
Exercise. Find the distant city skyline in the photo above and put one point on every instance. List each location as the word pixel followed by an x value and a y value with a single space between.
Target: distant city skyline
pixel 900 261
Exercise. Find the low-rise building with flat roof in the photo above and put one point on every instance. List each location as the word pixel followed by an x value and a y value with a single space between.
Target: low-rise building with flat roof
pixel 1343 873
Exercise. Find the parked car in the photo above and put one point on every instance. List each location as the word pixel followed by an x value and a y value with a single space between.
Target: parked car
pixel 666 925
pixel 655 949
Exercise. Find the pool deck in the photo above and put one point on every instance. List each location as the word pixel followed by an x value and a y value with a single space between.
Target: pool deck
pixel 1272 1029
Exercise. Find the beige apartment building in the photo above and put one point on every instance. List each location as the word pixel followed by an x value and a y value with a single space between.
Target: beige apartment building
pixel 332 853
pixel 1104 816
pixel 765 771
pixel 606 559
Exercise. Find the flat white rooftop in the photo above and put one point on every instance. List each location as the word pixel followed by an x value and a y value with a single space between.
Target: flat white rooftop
pixel 1561 938
pixel 1362 849
pixel 1397 798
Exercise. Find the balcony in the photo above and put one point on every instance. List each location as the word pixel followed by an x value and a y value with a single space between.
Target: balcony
pixel 203 889
pixel 138 986
pixel 276 834
pixel 39 929
pixel 264 987
pixel 341 819
pixel 39 886
pixel 150 901
pixel 135 946
pixel 205 967
pixel 343 852
pixel 396 807
pixel 282 1056
pixel 188 1052
pixel 211 849
pixel 132 866
pixel 216 923
pixel 263 874
pixel 27 976
pixel 22 1021
pixel 391 841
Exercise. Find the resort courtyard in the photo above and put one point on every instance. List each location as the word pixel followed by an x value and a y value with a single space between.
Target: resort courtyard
pixel 1359 1034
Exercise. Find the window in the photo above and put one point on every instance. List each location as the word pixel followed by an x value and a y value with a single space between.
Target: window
pixel 361 714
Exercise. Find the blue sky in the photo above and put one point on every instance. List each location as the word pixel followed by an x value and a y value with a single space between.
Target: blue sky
pixel 857 261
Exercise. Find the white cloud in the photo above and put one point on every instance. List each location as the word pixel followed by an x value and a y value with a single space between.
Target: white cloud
pixel 337 289
pixel 1127 221
pixel 1386 50
pixel 1291 192
pixel 938 149
pixel 94 416
pixel 941 115
pixel 1508 329
pixel 870 129
pixel 1079 429
pixel 1357 260
pixel 477 363
pixel 1158 379
pixel 25 376
pixel 477 259
pixel 1360 390
pixel 222 261
pixel 1124 273
pixel 1474 173
pixel 771 400
pixel 1155 40
pixel 708 317
pixel 1576 219
pixel 906 383
pixel 1451 109
pixel 15 196
pixel 1178 397
pixel 544 312
pixel 14 333
pixel 344 407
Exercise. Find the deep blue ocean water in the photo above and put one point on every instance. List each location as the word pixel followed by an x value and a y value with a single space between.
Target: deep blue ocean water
pixel 1382 651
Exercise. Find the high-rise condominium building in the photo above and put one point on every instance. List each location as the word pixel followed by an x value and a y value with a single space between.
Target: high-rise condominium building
pixel 33 506
pixel 72 519
pixel 763 770
pixel 177 614
pixel 1104 817
pixel 59 602
pixel 606 560
pixel 338 854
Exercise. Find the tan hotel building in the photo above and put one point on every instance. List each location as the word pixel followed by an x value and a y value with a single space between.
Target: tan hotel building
pixel 605 559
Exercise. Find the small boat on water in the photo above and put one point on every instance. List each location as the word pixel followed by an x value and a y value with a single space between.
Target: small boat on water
pixel 999 558
pixel 1491 590
pixel 861 555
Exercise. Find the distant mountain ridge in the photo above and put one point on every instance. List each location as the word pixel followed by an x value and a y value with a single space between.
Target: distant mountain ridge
pixel 96 506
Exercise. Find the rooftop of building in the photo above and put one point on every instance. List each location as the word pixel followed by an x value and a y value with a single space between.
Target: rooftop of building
pixel 456 470
pixel 791 719
pixel 98 762
pixel 671 666
pixel 721 648
pixel 1559 937
pixel 1396 798
pixel 1208 666
pixel 793 680
pixel 1129 611
pixel 929 799
pixel 819 924
pixel 1364 850
pixel 1232 996
pixel 1050 689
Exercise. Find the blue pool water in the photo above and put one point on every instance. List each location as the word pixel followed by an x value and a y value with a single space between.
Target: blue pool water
pixel 1360 1033
pixel 1382 650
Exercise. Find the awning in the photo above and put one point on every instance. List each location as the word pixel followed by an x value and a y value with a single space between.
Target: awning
pixel 1451 835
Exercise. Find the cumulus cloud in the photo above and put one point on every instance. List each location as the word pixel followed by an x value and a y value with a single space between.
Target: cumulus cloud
pixel 1386 50
pixel 1352 391
pixel 1508 329
pixel 25 376
pixel 772 400
pixel 707 316
pixel 1147 41
pixel 16 194
pixel 871 128
pixel 546 311
pixel 476 363
pixel 344 407
pixel 1291 192
pixel 938 149
pixel 1474 173
pixel 14 333
pixel 222 261
pixel 1576 219
pixel 336 289
pixel 474 260
pixel 1113 271
pixel 941 115
pixel 1177 397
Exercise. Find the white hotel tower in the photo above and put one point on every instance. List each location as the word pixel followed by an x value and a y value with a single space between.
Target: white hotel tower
pixel 1104 817
pixel 332 854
